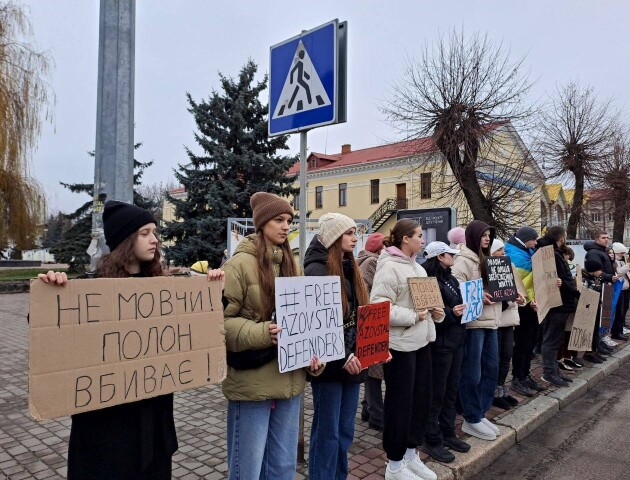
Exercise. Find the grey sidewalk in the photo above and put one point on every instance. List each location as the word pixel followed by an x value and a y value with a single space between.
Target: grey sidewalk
pixel 30 449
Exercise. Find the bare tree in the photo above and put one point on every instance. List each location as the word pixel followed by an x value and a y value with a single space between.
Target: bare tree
pixel 155 193
pixel 459 91
pixel 576 134
pixel 613 176
pixel 25 98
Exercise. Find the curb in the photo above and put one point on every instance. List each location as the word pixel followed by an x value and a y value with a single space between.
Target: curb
pixel 524 420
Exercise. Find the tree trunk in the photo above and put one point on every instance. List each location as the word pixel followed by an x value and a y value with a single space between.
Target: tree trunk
pixel 575 218
pixel 619 216
pixel 466 177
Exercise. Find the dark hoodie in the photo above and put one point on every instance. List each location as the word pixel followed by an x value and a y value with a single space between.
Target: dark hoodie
pixel 315 264
pixel 568 291
pixel 594 251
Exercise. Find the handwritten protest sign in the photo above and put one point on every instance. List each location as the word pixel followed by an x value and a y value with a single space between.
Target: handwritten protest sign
pixel 472 295
pixel 546 291
pixel 607 305
pixel 425 293
pixel 579 281
pixel 373 333
pixel 310 313
pixel 501 282
pixel 103 342
pixel 584 322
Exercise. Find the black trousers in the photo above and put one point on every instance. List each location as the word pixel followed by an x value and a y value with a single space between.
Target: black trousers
pixel 553 336
pixel 447 364
pixel 373 400
pixel 619 320
pixel 407 401
pixel 506 350
pixel 525 338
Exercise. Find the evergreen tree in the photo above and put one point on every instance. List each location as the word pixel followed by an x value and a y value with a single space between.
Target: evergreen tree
pixel 72 246
pixel 238 160
pixel 56 226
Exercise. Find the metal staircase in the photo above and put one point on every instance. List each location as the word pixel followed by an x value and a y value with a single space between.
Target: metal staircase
pixel 386 210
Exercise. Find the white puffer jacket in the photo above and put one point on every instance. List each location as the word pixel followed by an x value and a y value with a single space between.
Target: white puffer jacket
pixel 390 284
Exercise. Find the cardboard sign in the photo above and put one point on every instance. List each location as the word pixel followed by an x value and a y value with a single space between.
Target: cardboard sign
pixel 311 316
pixel 472 295
pixel 103 342
pixel 373 333
pixel 546 291
pixel 607 305
pixel 579 281
pixel 584 322
pixel 501 282
pixel 425 293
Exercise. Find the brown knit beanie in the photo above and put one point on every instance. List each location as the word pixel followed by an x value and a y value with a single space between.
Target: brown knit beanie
pixel 332 226
pixel 267 206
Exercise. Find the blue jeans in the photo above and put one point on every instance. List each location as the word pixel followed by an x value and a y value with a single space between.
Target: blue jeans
pixel 335 406
pixel 262 439
pixel 480 370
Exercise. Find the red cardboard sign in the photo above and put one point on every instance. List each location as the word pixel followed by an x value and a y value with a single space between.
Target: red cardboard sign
pixel 373 334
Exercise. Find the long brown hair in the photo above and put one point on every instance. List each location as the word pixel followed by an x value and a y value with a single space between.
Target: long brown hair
pixel 405 227
pixel 334 265
pixel 115 264
pixel 266 274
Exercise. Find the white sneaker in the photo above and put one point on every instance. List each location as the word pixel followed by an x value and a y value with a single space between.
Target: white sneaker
pixel 609 341
pixel 403 473
pixel 626 331
pixel 492 426
pixel 420 469
pixel 479 430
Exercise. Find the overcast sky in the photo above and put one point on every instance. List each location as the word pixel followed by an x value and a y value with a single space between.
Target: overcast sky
pixel 181 45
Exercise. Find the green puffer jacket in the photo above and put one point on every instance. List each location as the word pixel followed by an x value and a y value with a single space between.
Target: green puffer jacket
pixel 245 329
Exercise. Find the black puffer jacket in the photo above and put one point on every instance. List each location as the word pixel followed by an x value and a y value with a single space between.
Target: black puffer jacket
pixel 450 333
pixel 594 251
pixel 568 291
pixel 315 264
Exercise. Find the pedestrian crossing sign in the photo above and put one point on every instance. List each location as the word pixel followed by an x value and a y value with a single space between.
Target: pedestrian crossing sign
pixel 307 85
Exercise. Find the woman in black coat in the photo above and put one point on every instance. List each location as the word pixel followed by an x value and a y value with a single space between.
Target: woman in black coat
pixel 447 353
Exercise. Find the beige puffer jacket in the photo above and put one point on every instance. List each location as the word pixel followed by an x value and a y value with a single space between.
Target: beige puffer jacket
pixel 245 329
pixel 466 268
pixel 390 284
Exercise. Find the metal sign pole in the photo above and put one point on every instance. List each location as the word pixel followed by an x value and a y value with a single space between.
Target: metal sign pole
pixel 302 202
pixel 302 232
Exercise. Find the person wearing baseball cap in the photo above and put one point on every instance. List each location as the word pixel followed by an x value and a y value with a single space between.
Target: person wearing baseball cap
pixel 447 353
pixel 336 390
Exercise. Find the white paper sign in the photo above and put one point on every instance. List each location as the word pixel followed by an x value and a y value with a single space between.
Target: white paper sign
pixel 309 311
pixel 472 295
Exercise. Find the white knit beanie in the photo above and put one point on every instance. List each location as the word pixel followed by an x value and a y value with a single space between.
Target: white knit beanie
pixel 332 226
pixel 496 245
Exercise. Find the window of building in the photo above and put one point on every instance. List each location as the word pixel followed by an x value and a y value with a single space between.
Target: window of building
pixel 296 202
pixel 319 197
pixel 343 194
pixel 374 191
pixel 610 216
pixel 425 185
pixel 596 217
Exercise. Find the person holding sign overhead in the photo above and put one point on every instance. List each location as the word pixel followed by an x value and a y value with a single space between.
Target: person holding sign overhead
pixel 336 390
pixel 446 356
pixel 134 440
pixel 408 376
pixel 480 367
pixel 263 404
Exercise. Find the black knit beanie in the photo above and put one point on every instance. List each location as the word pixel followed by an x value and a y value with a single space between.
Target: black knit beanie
pixel 121 220
pixel 593 266
pixel 525 234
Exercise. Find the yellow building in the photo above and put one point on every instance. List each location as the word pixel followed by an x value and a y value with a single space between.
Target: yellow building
pixel 376 182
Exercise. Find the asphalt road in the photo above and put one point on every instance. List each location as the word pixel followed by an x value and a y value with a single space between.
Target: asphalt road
pixel 590 439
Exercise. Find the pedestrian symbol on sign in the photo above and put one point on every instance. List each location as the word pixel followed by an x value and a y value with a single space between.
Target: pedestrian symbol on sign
pixel 303 89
